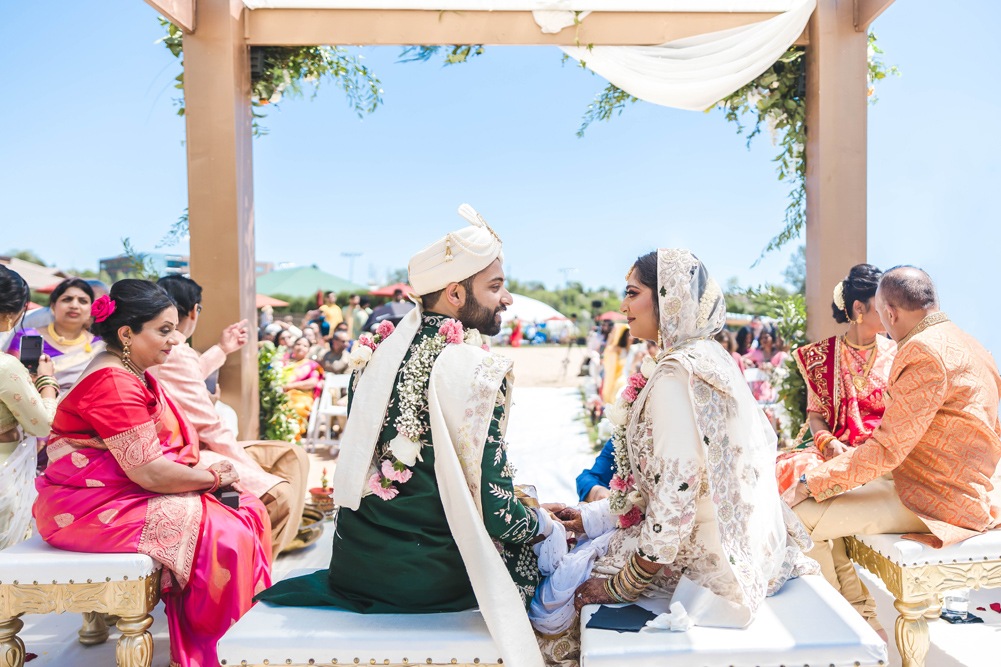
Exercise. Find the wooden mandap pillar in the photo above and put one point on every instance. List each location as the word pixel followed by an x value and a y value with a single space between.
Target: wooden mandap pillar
pixel 836 101
pixel 221 192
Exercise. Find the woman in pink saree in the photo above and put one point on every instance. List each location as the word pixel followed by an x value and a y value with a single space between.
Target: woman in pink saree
pixel 123 477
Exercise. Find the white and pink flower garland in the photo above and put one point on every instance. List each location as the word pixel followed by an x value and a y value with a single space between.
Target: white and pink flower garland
pixel 625 500
pixel 404 450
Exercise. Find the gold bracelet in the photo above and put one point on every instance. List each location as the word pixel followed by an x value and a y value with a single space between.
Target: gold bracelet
pixel 612 593
pixel 626 588
pixel 640 572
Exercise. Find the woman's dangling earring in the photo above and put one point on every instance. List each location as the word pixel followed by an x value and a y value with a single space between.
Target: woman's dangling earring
pixel 660 341
pixel 126 354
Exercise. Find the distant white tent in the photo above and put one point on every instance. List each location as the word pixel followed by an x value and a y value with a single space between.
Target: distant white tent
pixel 527 310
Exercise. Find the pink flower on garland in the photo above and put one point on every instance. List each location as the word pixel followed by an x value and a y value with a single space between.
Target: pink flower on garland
pixel 629 394
pixel 631 518
pixel 401 476
pixel 619 484
pixel 451 330
pixel 384 329
pixel 367 342
pixel 637 381
pixel 384 492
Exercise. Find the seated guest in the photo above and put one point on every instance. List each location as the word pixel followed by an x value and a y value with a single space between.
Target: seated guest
pixel 845 378
pixel 693 516
pixel 273 471
pixel 304 384
pixel 66 339
pixel 270 333
pixel 592 484
pixel 361 315
pixel 124 477
pixel 27 406
pixel 284 339
pixel 330 309
pixel 726 339
pixel 939 437
pixel 336 359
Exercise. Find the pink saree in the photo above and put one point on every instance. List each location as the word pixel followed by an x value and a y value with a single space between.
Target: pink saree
pixel 215 558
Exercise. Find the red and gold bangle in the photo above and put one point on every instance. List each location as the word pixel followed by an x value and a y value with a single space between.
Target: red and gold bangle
pixel 218 480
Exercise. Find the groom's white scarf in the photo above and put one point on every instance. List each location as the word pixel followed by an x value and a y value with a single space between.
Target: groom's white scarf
pixel 461 393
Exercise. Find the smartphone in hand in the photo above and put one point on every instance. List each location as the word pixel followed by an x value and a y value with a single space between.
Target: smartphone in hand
pixel 31 352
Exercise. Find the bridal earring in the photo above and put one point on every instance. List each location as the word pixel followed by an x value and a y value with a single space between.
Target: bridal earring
pixel 660 341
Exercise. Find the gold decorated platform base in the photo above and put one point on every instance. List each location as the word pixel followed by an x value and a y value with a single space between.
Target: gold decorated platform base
pixel 132 601
pixel 918 590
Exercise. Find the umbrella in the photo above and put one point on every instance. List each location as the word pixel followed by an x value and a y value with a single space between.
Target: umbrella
pixel 264 300
pixel 388 290
pixel 32 305
pixel 612 315
pixel 393 311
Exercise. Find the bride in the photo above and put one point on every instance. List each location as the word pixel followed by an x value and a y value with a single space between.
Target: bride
pixel 694 514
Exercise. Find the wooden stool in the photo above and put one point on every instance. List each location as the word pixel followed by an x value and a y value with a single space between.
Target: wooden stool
pixel 917 576
pixel 36 578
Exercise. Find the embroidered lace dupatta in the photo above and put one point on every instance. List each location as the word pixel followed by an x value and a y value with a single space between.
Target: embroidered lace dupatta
pixel 739 445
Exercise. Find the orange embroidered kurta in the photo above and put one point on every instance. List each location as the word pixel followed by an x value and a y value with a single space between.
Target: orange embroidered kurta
pixel 940 435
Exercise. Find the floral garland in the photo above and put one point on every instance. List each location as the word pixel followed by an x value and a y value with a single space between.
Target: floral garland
pixel 625 500
pixel 404 450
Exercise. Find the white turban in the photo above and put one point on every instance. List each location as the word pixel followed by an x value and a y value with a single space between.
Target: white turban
pixel 456 256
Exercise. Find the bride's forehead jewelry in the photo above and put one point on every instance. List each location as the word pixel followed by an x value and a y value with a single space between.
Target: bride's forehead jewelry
pixel 630 272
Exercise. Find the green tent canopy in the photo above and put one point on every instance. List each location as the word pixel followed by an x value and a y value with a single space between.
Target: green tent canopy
pixel 304 281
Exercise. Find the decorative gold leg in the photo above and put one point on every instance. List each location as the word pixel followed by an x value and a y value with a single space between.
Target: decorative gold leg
pixel 934 608
pixel 11 646
pixel 912 632
pixel 135 646
pixel 95 630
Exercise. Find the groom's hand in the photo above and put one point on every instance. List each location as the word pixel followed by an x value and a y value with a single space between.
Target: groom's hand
pixel 553 508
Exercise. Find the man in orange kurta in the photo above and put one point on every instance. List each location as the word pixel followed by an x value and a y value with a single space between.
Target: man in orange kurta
pixel 926 470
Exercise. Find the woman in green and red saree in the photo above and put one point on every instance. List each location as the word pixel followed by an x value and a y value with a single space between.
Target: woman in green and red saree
pixel 845 378
pixel 124 477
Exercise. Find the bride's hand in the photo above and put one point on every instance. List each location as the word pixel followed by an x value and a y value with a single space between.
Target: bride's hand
pixel 571 520
pixel 553 507
pixel 591 591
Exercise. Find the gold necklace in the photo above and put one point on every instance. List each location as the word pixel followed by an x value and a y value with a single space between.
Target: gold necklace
pixel 860 347
pixel 862 379
pixel 132 369
pixel 66 342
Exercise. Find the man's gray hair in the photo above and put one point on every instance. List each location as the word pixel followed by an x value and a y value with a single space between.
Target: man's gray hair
pixel 909 288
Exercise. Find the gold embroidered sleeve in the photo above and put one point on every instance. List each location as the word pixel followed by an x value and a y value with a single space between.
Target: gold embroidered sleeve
pixel 135 447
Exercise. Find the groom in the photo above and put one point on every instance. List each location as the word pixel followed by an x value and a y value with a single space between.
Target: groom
pixel 429 518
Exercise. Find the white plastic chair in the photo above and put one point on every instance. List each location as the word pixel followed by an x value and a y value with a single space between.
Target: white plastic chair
pixel 325 409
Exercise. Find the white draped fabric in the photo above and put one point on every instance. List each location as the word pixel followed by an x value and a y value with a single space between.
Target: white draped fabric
pixel 696 72
pixel 17 490
pixel 533 5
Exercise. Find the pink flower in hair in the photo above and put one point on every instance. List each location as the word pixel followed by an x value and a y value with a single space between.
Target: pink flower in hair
pixel 629 394
pixel 367 342
pixel 102 308
pixel 385 328
pixel 384 492
pixel 451 330
pixel 401 476
pixel 619 484
pixel 631 518
pixel 637 381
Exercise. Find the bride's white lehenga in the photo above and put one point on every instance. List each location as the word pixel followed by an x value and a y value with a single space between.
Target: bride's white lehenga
pixel 701 453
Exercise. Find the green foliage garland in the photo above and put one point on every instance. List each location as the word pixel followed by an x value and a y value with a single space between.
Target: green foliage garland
pixel 789 311
pixel 277 420
pixel 284 68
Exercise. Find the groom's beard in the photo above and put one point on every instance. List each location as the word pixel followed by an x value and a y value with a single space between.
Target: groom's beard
pixel 475 315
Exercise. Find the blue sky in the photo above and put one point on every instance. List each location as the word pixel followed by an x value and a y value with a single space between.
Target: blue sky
pixel 93 152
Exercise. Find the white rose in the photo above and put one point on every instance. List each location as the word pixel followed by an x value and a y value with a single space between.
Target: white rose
pixel 472 337
pixel 636 499
pixel 619 413
pixel 648 367
pixel 405 450
pixel 360 356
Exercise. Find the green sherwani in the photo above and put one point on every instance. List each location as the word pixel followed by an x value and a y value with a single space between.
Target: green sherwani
pixel 398 556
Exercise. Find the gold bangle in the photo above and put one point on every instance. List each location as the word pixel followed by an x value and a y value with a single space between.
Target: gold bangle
pixel 612 593
pixel 640 572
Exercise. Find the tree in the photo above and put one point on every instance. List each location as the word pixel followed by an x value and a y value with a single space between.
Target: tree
pixel 28 256
pixel 795 273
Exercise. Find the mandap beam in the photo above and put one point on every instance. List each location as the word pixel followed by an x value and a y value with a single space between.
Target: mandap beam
pixel 221 192
pixel 179 12
pixel 306 27
pixel 836 102
pixel 867 11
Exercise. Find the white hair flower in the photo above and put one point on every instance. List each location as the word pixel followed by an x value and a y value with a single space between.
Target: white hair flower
pixel 839 295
